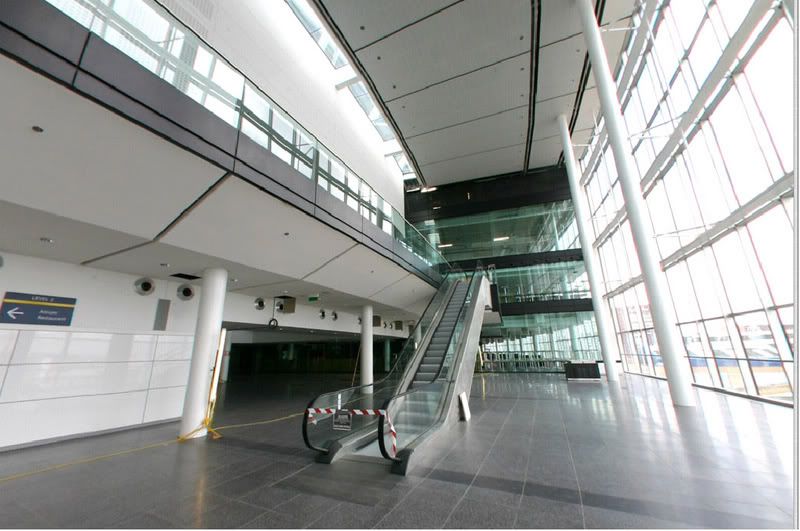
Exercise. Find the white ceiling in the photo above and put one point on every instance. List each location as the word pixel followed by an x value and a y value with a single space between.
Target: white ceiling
pixel 456 77
pixel 103 189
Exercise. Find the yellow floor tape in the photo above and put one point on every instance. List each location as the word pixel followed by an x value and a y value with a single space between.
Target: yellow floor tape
pixel 133 450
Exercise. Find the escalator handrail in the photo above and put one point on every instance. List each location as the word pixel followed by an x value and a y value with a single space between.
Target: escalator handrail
pixel 439 380
pixel 436 316
pixel 475 275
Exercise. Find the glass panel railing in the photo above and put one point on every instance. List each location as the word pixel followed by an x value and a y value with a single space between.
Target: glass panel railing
pixel 151 36
pixel 413 413
pixel 318 429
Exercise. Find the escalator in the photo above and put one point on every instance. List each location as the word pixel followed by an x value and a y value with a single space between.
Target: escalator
pixel 399 415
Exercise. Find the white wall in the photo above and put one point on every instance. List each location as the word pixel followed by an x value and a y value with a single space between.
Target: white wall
pixel 109 369
pixel 265 40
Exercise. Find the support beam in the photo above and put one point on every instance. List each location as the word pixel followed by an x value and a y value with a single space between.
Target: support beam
pixel 206 342
pixel 655 283
pixel 366 348
pixel 605 330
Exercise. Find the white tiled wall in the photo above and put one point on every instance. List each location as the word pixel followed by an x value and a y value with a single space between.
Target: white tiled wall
pixel 79 382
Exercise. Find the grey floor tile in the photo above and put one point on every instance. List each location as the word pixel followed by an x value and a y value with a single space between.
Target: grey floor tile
pixel 269 497
pixel 144 521
pixel 597 518
pixel 273 520
pixel 473 514
pixel 541 513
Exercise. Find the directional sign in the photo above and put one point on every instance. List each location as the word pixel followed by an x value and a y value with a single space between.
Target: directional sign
pixel 342 420
pixel 27 308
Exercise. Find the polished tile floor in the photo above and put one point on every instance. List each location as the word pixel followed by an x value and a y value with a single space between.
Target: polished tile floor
pixel 538 452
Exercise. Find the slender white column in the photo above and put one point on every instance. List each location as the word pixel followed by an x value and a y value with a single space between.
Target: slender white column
pixel 605 330
pixel 226 357
pixel 417 336
pixel 677 369
pixel 206 341
pixel 387 355
pixel 366 347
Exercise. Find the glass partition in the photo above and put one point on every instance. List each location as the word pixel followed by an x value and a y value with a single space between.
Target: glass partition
pixel 152 37
pixel 543 282
pixel 530 229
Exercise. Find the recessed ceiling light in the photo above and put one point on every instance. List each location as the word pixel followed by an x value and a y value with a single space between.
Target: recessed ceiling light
pixel 45 239
pixel 285 233
pixel 501 238
pixel 164 264
pixel 362 28
pixel 428 189
pixel 37 129
pixel 437 207
pixel 286 291
pixel 234 280
pixel 444 245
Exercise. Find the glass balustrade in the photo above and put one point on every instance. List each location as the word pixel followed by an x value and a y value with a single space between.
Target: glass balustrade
pixel 151 36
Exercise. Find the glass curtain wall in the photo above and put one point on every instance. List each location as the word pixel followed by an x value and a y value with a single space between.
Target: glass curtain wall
pixel 539 342
pixel 543 282
pixel 530 229
pixel 707 97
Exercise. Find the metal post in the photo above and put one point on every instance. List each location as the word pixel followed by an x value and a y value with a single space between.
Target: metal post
pixel 387 355
pixel 206 341
pixel 654 278
pixel 366 348
pixel 605 330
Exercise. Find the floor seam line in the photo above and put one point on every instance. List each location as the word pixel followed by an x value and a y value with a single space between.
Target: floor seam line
pixel 572 462
pixel 527 464
pixel 477 472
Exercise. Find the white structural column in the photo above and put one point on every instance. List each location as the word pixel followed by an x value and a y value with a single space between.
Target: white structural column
pixel 366 347
pixel 677 369
pixel 226 357
pixel 206 342
pixel 605 331
pixel 417 336
pixel 387 355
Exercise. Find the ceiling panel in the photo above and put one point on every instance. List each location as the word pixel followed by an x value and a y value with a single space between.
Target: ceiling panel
pixel 408 293
pixel 88 164
pixel 560 68
pixel 73 241
pixel 497 131
pixel 363 22
pixel 359 271
pixel 249 227
pixel 499 161
pixel 499 88
pixel 147 259
pixel 545 152
pixel 441 47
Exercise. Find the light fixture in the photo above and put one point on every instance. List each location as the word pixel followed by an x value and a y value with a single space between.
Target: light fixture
pixel 445 245
pixel 437 207
pixel 37 129
pixel 47 240
pixel 427 189
pixel 234 280
pixel 501 238
pixel 164 264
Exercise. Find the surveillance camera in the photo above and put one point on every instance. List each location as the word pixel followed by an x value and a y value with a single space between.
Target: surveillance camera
pixel 185 292
pixel 279 306
pixel 334 316
pixel 144 286
pixel 322 314
pixel 259 303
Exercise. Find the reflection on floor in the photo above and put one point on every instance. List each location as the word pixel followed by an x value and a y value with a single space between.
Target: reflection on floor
pixel 538 452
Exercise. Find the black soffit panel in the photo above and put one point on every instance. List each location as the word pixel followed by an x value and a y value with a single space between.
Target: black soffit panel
pixel 64 51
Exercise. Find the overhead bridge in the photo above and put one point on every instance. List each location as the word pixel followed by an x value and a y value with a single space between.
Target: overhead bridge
pixel 399 416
